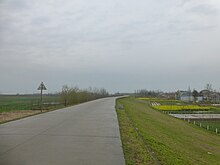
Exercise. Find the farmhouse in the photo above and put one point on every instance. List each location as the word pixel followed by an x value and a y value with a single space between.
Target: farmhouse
pixel 210 96
pixel 184 96
pixel 215 97
pixel 203 96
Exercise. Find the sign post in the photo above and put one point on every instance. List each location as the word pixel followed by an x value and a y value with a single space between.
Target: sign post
pixel 41 88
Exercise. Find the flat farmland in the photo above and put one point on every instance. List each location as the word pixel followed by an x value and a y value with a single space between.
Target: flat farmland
pixel 18 106
pixel 24 102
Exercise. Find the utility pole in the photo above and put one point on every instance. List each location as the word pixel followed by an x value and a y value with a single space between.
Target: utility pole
pixel 41 88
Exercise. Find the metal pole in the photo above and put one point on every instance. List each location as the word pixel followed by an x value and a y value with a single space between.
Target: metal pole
pixel 41 92
pixel 41 88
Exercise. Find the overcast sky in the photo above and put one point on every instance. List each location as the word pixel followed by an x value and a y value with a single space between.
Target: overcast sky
pixel 121 45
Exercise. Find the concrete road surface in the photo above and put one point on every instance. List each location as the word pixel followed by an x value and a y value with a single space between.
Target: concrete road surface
pixel 83 134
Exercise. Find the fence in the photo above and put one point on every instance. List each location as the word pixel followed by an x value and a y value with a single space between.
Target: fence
pixel 210 125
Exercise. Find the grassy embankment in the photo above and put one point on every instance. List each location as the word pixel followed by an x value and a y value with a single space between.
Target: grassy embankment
pixel 151 137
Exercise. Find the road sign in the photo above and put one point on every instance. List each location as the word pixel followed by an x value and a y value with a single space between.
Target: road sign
pixel 42 87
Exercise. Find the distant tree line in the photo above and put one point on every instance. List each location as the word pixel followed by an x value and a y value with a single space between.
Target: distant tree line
pixel 147 93
pixel 74 95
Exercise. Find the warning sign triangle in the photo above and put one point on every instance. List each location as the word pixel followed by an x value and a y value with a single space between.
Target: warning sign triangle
pixel 42 87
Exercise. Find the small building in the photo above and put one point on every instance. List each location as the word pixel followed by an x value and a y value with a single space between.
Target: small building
pixel 215 97
pixel 210 96
pixel 184 96
pixel 205 94
pixel 199 98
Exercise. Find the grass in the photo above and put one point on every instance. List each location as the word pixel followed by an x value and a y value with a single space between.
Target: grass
pixel 166 140
pixel 24 102
pixel 134 148
pixel 212 124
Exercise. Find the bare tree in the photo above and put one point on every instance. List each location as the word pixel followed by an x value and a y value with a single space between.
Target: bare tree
pixel 189 93
pixel 195 95
pixel 209 87
pixel 209 90
pixel 74 95
pixel 64 94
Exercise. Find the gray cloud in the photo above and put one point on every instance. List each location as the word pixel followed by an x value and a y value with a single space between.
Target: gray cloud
pixel 204 9
pixel 152 44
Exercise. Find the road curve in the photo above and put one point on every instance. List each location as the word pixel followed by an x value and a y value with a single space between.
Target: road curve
pixel 83 134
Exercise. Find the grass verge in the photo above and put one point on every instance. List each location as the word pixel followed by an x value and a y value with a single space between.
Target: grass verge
pixel 134 148
pixel 172 141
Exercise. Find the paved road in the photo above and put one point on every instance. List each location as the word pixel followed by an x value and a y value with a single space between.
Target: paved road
pixel 83 134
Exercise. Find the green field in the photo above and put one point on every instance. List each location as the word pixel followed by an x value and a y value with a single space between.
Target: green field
pixel 152 137
pixel 25 102
pixel 211 124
